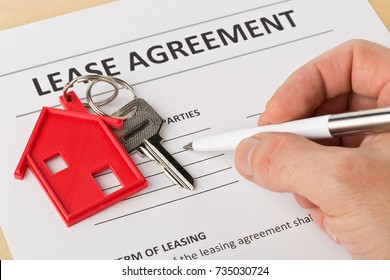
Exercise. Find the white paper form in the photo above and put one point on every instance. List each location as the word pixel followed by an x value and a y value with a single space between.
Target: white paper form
pixel 206 67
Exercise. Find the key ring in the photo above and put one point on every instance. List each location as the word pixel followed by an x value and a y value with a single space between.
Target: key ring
pixel 94 105
pixel 94 78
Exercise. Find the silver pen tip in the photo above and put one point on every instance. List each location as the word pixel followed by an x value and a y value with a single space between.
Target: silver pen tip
pixel 188 146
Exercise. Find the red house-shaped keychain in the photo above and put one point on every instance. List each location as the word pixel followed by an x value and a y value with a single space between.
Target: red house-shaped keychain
pixel 87 145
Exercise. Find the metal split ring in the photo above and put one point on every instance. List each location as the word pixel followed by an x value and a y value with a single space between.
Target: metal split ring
pixel 117 82
pixel 94 79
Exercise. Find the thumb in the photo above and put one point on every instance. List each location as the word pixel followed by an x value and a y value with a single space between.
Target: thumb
pixel 285 162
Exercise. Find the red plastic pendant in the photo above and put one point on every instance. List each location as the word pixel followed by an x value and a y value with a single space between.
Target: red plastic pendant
pixel 87 146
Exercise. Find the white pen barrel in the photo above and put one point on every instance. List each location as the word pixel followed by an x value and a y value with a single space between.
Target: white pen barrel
pixel 312 128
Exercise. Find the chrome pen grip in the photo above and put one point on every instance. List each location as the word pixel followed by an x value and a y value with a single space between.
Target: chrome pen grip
pixel 360 122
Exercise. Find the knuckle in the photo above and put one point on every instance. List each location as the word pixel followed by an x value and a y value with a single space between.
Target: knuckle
pixel 354 185
pixel 270 165
pixel 348 165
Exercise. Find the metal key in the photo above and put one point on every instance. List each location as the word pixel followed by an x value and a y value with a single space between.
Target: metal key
pixel 141 132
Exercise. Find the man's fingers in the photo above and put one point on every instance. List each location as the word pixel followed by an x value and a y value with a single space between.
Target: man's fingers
pixel 304 202
pixel 357 66
pixel 288 163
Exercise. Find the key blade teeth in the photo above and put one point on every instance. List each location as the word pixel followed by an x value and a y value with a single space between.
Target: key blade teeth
pixel 172 168
pixel 184 185
pixel 171 177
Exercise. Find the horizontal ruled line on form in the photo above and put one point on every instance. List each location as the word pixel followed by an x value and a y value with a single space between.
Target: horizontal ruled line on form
pixel 168 202
pixel 207 64
pixel 141 38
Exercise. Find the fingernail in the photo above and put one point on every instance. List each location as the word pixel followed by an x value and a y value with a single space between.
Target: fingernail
pixel 330 233
pixel 263 119
pixel 243 156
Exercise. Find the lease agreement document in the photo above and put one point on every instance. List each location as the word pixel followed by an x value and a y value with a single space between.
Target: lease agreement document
pixel 206 67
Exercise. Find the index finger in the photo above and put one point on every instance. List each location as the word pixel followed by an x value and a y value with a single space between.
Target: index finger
pixel 351 73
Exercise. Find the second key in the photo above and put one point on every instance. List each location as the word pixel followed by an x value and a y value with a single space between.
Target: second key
pixel 141 132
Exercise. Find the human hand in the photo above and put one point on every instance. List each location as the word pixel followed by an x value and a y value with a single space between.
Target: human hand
pixel 343 183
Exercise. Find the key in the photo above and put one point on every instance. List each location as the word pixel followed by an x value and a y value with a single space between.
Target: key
pixel 141 132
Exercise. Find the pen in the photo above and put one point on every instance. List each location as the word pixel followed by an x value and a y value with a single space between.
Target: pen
pixel 321 127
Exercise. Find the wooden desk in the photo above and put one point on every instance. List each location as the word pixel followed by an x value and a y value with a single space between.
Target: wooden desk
pixel 18 12
pixel 382 7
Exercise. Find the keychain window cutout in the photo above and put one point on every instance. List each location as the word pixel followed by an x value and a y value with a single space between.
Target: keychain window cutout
pixel 88 144
pixel 56 163
pixel 107 180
